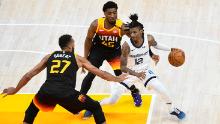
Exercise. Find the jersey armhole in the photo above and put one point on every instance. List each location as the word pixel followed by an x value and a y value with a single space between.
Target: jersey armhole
pixel 75 54
pixel 98 25
pixel 119 24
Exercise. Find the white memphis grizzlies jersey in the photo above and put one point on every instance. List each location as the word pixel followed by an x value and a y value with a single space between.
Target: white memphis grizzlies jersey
pixel 139 58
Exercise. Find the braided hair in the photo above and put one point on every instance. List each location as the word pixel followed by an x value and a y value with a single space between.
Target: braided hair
pixel 135 23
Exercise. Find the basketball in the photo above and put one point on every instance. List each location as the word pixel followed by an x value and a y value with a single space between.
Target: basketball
pixel 176 57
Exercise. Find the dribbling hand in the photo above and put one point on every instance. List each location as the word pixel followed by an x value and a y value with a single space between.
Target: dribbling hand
pixel 156 58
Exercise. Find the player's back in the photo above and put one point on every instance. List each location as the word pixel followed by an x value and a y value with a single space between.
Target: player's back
pixel 61 73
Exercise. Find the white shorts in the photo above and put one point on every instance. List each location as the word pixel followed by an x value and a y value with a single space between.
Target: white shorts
pixel 133 79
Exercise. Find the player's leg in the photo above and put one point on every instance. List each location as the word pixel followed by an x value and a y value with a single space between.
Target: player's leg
pixel 116 92
pixel 96 59
pixel 115 63
pixel 77 102
pixel 41 102
pixel 159 87
pixel 30 114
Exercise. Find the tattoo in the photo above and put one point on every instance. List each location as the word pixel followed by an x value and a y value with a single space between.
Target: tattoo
pixel 151 40
pixel 154 43
pixel 124 59
pixel 124 56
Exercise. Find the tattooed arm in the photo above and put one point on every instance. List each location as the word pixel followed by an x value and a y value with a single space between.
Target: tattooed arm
pixel 151 40
pixel 156 45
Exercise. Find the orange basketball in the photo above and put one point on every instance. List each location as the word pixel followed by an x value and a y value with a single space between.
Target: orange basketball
pixel 176 57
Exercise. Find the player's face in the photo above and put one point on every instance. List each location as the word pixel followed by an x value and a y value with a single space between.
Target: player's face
pixel 111 15
pixel 136 33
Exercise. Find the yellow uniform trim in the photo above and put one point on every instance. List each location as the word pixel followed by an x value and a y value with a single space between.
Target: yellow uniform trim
pixel 101 25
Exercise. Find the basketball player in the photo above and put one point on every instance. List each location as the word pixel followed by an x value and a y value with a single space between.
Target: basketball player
pixel 59 87
pixel 136 51
pixel 103 43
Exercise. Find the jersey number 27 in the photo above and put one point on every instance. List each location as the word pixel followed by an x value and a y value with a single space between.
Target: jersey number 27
pixel 55 68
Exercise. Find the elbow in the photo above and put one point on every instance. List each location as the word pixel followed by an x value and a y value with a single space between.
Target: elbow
pixel 27 76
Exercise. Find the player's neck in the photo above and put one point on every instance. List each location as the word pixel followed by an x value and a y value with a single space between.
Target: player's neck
pixel 139 42
pixel 108 25
pixel 67 50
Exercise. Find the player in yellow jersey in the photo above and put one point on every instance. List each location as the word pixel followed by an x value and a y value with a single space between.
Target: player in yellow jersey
pixel 59 87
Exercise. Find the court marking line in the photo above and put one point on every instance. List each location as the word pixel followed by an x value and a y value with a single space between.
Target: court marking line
pixel 150 111
pixel 44 25
pixel 84 26
pixel 24 51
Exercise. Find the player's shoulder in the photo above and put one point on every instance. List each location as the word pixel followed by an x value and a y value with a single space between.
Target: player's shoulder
pixel 119 23
pixel 120 20
pixel 94 23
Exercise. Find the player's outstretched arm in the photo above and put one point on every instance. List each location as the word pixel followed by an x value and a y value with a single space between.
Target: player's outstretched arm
pixel 27 77
pixel 156 45
pixel 82 62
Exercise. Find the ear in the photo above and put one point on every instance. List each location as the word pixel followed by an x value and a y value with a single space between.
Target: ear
pixel 141 30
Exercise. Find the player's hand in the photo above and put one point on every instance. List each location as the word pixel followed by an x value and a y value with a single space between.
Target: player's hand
pixel 121 77
pixel 9 91
pixel 83 70
pixel 141 75
pixel 156 58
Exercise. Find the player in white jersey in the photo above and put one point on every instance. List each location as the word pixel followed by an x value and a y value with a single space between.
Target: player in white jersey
pixel 135 60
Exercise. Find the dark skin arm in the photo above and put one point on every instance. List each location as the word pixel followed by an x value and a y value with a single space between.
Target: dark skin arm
pixel 90 34
pixel 88 41
pixel 152 42
pixel 82 62
pixel 124 59
pixel 27 77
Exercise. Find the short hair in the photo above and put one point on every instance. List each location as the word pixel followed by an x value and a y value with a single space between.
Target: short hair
pixel 134 22
pixel 109 4
pixel 64 40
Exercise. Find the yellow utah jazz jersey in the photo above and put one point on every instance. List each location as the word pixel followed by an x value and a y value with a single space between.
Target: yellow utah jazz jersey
pixel 108 38
pixel 61 74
